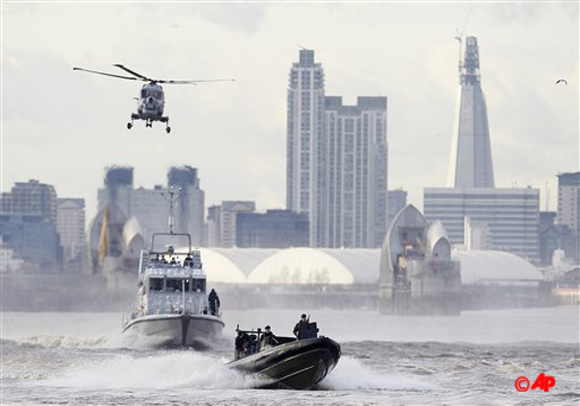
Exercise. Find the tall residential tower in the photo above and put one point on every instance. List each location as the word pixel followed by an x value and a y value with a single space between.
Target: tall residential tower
pixel 306 155
pixel 356 185
pixel 336 161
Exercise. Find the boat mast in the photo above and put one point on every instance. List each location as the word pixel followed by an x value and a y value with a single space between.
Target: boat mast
pixel 171 217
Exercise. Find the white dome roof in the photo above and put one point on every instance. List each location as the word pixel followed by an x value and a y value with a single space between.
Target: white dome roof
pixel 246 259
pixel 479 266
pixel 345 266
pixel 292 265
pixel 219 268
pixel 301 266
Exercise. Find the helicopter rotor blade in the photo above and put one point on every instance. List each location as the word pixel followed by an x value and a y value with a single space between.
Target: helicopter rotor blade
pixel 140 76
pixel 192 82
pixel 104 73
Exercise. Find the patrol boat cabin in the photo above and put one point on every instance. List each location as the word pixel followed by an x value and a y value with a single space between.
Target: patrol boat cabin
pixel 172 303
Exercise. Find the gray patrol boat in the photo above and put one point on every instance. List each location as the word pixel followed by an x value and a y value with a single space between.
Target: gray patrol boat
pixel 172 304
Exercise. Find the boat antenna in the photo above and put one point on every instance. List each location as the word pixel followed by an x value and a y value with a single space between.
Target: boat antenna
pixel 171 200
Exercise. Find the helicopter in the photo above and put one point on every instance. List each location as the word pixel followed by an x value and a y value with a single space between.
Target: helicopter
pixel 151 98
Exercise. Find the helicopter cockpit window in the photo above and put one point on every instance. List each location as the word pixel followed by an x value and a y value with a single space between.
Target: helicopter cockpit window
pixel 156 94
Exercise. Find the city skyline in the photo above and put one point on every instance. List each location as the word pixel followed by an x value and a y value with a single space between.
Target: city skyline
pixel 407 54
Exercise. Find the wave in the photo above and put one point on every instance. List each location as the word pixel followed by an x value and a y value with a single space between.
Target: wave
pixel 57 341
pixel 351 374
pixel 116 341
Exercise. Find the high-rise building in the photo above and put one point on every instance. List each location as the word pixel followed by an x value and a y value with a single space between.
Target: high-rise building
pixel 28 224
pixel 273 229
pixel 221 225
pixel 511 215
pixel 212 226
pixel 151 206
pixel 33 239
pixel 569 208
pixel 553 237
pixel 305 150
pixel 118 188
pixel 569 199
pixel 470 160
pixel 228 217
pixel 356 173
pixel 497 219
pixel 336 161
pixel 396 201
pixel 70 224
pixel 190 204
pixel 31 198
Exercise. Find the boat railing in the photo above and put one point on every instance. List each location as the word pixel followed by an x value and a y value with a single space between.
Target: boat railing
pixel 172 260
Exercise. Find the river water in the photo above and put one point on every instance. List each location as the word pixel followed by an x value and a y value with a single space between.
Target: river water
pixel 82 359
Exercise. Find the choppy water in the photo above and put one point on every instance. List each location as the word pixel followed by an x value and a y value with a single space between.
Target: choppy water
pixel 80 358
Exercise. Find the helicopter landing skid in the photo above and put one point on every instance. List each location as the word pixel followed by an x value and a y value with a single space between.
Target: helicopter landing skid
pixel 165 119
pixel 149 122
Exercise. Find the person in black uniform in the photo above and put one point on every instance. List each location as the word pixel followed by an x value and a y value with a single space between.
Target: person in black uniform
pixel 297 327
pixel 241 344
pixel 214 302
pixel 268 338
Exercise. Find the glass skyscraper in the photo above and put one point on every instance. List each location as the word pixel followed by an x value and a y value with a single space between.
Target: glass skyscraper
pixel 470 160
pixel 509 218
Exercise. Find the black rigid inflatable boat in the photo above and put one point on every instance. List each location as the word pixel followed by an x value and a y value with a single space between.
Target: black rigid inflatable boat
pixel 291 363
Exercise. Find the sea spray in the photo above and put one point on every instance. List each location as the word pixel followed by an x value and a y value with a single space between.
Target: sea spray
pixel 167 369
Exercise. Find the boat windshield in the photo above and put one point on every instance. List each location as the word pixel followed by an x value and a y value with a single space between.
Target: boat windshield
pixel 156 284
pixel 178 284
pixel 199 284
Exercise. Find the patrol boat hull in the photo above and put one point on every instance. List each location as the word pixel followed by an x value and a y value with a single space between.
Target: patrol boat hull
pixel 177 330
pixel 298 364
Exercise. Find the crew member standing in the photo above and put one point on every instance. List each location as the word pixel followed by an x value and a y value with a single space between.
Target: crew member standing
pixel 298 328
pixel 214 302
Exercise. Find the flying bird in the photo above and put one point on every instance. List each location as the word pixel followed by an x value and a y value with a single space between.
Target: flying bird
pixel 563 81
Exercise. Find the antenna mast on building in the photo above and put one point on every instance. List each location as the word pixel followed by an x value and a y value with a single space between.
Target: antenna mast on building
pixel 459 38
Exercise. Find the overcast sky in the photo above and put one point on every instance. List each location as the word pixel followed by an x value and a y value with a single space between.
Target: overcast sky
pixel 63 127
